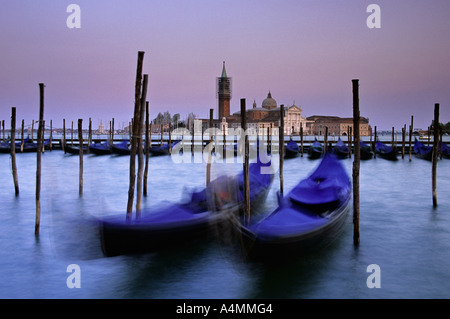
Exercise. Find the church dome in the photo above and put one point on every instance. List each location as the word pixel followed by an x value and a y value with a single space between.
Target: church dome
pixel 269 102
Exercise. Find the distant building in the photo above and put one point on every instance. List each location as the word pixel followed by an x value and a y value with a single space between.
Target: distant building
pixel 224 93
pixel 337 125
pixel 101 128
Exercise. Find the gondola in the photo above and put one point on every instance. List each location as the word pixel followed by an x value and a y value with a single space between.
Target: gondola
pixel 172 225
pixel 340 149
pixel 422 151
pixel 100 148
pixel 291 150
pixel 309 216
pixel 69 149
pixel 365 151
pixel 161 150
pixel 386 152
pixel 315 150
pixel 445 150
pixel 122 148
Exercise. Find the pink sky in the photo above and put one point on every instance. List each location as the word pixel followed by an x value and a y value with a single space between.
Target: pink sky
pixel 302 50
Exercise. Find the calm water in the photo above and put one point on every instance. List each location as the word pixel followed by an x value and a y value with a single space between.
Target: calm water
pixel 400 232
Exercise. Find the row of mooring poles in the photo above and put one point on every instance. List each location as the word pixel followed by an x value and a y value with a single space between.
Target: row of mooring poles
pixel 356 162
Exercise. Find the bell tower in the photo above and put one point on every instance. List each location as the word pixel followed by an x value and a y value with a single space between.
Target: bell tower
pixel 224 93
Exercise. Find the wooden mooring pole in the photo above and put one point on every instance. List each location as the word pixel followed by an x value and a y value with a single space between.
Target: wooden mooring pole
pixel 89 135
pixel 410 137
pixel 208 164
pixel 403 140
pixel 21 136
pixel 51 135
pixel 281 141
pixel 147 146
pixel 140 148
pixel 374 147
pixel 349 133
pixel 356 162
pixel 137 99
pixel 13 151
pixel 80 143
pixel 38 159
pixel 435 153
pixel 301 141
pixel 246 164
pixel 64 136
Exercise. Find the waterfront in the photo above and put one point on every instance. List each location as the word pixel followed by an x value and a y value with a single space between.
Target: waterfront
pixel 400 232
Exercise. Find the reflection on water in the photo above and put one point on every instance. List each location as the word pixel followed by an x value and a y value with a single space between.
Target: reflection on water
pixel 400 232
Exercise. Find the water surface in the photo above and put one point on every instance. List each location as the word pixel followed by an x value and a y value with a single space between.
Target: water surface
pixel 400 232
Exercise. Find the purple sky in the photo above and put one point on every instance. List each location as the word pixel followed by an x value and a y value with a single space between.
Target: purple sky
pixel 302 50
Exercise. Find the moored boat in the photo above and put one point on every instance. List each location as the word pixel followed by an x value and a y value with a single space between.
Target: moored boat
pixel 422 151
pixel 445 149
pixel 340 149
pixel 28 146
pixel 122 148
pixel 315 150
pixel 386 152
pixel 75 149
pixel 162 150
pixel 100 148
pixel 365 151
pixel 309 216
pixel 171 225
pixel 291 150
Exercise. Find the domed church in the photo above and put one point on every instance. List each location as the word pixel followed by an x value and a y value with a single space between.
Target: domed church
pixel 269 102
pixel 258 118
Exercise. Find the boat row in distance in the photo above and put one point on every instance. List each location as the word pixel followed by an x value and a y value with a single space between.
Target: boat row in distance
pixel 28 146
pixel 340 150
pixel 122 148
pixel 384 151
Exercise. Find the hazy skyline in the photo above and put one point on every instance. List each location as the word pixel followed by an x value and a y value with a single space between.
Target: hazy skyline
pixel 302 51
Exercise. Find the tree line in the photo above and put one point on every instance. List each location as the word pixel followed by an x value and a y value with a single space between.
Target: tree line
pixel 444 128
pixel 175 120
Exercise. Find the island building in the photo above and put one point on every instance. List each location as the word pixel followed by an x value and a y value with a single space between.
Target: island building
pixel 267 115
pixel 337 126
